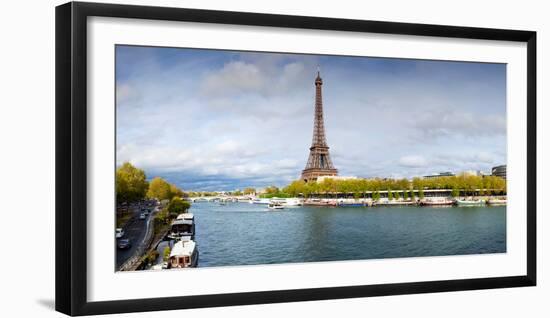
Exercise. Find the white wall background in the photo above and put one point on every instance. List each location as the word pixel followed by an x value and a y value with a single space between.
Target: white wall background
pixel 27 160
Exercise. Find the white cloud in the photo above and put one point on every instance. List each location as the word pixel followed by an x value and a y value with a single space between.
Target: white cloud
pixel 413 161
pixel 235 77
pixel 443 122
pixel 249 119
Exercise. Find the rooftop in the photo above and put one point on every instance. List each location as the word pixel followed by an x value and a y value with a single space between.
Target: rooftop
pixel 183 248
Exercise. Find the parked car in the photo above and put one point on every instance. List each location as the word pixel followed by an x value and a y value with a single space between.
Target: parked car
pixel 124 244
pixel 119 233
pixel 142 216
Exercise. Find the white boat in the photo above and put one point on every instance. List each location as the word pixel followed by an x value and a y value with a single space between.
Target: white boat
pixel 182 227
pixel 293 202
pixel 437 201
pixel 401 202
pixel 186 216
pixel 287 202
pixel 496 201
pixel 275 206
pixel 261 201
pixel 184 254
pixel 469 202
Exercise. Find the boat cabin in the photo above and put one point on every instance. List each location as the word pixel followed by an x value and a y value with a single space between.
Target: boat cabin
pixel 182 227
pixel 184 254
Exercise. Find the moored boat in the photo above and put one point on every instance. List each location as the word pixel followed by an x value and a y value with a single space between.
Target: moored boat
pixel 184 254
pixel 293 202
pixel 351 203
pixel 275 206
pixel 437 201
pixel 261 201
pixel 469 202
pixel 496 202
pixel 319 202
pixel 182 226
pixel 400 202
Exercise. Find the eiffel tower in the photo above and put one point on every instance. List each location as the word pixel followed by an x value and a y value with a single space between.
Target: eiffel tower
pixel 319 163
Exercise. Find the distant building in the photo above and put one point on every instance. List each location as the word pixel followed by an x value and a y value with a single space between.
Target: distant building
pixel 441 174
pixel 499 171
pixel 476 173
pixel 339 178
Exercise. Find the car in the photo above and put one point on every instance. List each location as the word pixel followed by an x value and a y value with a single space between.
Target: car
pixel 119 233
pixel 124 244
pixel 142 216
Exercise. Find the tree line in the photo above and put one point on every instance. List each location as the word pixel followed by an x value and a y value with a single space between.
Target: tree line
pixel 484 185
pixel 132 185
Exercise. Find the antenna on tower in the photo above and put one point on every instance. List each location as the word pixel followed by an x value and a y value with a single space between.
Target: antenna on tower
pixel 318 70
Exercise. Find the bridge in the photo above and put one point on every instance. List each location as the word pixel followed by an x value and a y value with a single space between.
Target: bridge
pixel 222 198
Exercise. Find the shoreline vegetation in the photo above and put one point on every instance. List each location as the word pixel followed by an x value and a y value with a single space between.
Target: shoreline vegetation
pixel 132 185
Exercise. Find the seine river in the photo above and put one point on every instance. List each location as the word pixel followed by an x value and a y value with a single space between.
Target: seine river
pixel 243 233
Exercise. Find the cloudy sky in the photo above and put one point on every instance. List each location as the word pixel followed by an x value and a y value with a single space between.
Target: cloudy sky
pixel 222 120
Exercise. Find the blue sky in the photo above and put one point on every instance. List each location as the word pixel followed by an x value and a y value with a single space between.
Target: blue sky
pixel 222 120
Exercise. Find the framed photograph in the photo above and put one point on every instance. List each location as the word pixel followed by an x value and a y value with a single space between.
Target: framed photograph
pixel 210 158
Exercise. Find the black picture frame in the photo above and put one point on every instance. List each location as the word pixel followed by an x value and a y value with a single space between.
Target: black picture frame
pixel 71 157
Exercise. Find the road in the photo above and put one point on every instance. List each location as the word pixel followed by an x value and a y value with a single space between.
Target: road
pixel 134 230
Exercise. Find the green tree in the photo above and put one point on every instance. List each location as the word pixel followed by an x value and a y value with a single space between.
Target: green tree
pixel 159 189
pixel 390 195
pixel 249 191
pixel 421 193
pixel 455 192
pixel 175 191
pixel 271 190
pixel 131 184
pixel 166 253
pixel 178 206
pixel 405 194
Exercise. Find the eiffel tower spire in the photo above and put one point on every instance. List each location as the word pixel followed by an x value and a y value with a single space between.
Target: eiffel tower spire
pixel 319 162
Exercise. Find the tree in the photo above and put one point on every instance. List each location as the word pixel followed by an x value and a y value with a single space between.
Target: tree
pixel 175 191
pixel 405 194
pixel 271 190
pixel 166 253
pixel 390 195
pixel 131 184
pixel 295 188
pixel 455 192
pixel 159 189
pixel 178 206
pixel 421 193
pixel 249 191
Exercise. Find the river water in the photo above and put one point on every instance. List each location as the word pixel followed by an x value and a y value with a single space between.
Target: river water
pixel 245 234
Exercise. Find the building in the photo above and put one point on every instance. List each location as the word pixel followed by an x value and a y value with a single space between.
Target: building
pixel 441 174
pixel 499 171
pixel 338 178
pixel 475 173
pixel 319 163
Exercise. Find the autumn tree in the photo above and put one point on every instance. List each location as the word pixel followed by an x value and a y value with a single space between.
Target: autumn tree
pixel 131 184
pixel 159 189
pixel 178 206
